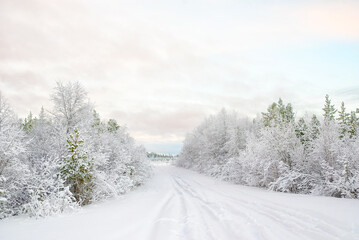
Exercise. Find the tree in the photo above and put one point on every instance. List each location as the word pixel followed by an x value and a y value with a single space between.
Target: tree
pixel 28 123
pixel 112 125
pixel 271 115
pixel 329 110
pixel 278 114
pixel 13 171
pixel 96 121
pixel 11 137
pixel 314 127
pixel 119 165
pixel 3 200
pixel 70 105
pixel 77 169
pixel 48 194
pixel 343 120
pixel 302 131
pixel 353 124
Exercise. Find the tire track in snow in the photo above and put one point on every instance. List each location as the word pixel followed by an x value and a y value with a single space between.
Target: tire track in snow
pixel 177 204
pixel 211 210
pixel 193 218
pixel 305 225
pixel 303 222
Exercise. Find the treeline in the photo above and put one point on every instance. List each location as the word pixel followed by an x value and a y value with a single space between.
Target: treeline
pixel 278 152
pixel 65 157
pixel 161 157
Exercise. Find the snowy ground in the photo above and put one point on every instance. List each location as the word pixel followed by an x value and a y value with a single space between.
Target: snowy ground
pixel 181 204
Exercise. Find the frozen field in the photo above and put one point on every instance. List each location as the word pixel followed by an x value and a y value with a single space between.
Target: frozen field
pixel 181 204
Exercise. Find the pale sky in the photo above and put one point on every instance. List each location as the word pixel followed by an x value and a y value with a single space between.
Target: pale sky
pixel 161 67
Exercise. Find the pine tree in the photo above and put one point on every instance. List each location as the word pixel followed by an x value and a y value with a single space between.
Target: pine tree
pixel 281 109
pixel 42 115
pixel 278 114
pixel 96 123
pixel 343 120
pixel 314 127
pixel 29 123
pixel 112 125
pixel 289 114
pixel 70 105
pixel 271 115
pixel 329 110
pixel 302 132
pixel 77 169
pixel 353 124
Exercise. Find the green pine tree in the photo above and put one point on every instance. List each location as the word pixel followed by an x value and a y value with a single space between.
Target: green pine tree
pixel 96 122
pixel 314 127
pixel 278 114
pixel 302 131
pixel 329 110
pixel 77 169
pixel 28 124
pixel 343 120
pixel 271 115
pixel 353 124
pixel 42 115
pixel 289 114
pixel 112 125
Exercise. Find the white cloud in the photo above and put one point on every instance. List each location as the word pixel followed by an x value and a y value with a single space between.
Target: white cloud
pixel 161 67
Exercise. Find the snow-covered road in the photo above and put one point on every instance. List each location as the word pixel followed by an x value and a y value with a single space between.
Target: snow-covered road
pixel 181 204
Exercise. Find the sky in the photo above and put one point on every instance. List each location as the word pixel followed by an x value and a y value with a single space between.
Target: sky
pixel 160 67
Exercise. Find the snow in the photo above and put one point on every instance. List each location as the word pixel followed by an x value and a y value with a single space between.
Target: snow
pixel 181 204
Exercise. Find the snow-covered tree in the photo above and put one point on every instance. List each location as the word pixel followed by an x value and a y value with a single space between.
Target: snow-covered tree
pixel 278 114
pixel 329 109
pixel 112 125
pixel 302 132
pixel 343 120
pixel 3 200
pixel 353 125
pixel 71 105
pixel 47 191
pixel 29 122
pixel 314 127
pixel 119 164
pixel 13 171
pixel 77 169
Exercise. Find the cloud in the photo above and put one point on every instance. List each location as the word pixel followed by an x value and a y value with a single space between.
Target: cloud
pixel 334 19
pixel 160 67
pixel 350 96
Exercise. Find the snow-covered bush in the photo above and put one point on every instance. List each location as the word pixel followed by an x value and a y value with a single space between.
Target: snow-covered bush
pixel 295 182
pixel 120 165
pixel 43 203
pixel 337 162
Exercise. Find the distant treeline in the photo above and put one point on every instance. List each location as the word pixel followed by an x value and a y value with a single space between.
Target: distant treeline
pixel 160 155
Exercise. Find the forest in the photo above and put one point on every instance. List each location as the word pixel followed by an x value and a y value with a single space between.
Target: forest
pixel 65 157
pixel 309 155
